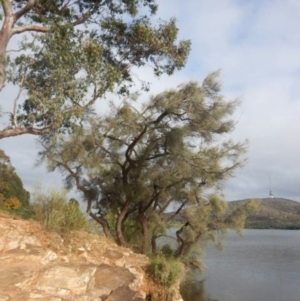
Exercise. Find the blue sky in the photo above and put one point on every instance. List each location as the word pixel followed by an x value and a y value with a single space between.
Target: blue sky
pixel 256 44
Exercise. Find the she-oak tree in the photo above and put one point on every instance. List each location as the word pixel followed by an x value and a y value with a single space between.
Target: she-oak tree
pixel 133 165
pixel 74 52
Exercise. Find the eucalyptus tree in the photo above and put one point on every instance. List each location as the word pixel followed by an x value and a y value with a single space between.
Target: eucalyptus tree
pixel 75 51
pixel 134 165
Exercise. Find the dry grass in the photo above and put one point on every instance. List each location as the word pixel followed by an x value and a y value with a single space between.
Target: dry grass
pixel 157 292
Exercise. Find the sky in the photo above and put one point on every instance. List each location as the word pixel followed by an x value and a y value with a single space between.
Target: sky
pixel 256 45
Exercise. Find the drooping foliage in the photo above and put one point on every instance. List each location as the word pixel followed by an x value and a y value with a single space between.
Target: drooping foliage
pixel 12 193
pixel 134 165
pixel 75 52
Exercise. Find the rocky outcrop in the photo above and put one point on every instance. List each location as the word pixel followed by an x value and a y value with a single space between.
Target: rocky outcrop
pixel 37 265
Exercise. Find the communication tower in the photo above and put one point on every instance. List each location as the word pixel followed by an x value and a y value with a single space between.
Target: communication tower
pixel 271 195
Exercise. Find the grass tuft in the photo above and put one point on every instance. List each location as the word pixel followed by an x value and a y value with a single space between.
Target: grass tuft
pixel 55 213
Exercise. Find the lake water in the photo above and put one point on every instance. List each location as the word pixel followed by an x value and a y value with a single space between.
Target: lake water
pixel 263 265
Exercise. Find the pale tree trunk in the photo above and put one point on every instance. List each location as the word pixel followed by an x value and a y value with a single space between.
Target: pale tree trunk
pixel 8 30
pixel 2 69
pixel 5 35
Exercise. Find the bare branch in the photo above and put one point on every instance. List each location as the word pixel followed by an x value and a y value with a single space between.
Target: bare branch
pixel 115 139
pixel 157 156
pixel 15 50
pixel 160 117
pixel 3 112
pixel 165 235
pixel 11 132
pixel 177 211
pixel 24 28
pixel 23 11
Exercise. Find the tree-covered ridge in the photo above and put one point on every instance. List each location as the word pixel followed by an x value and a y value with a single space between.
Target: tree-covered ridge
pixel 12 193
pixel 133 164
pixel 277 213
pixel 76 51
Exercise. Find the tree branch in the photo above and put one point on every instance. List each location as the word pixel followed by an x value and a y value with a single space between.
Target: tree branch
pixel 165 235
pixel 11 132
pixel 136 139
pixel 183 244
pixel 160 117
pixel 24 28
pixel 85 16
pixel 157 156
pixel 115 139
pixel 177 211
pixel 7 8
pixel 152 200
pixel 23 11
pixel 132 145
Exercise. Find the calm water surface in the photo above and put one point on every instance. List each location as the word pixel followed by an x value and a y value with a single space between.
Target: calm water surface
pixel 263 265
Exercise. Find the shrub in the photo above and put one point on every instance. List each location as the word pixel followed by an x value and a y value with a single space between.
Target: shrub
pixel 53 211
pixel 14 206
pixel 12 203
pixel 165 271
pixel 167 250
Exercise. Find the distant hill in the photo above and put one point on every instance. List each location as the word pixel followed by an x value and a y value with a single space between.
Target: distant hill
pixel 276 213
